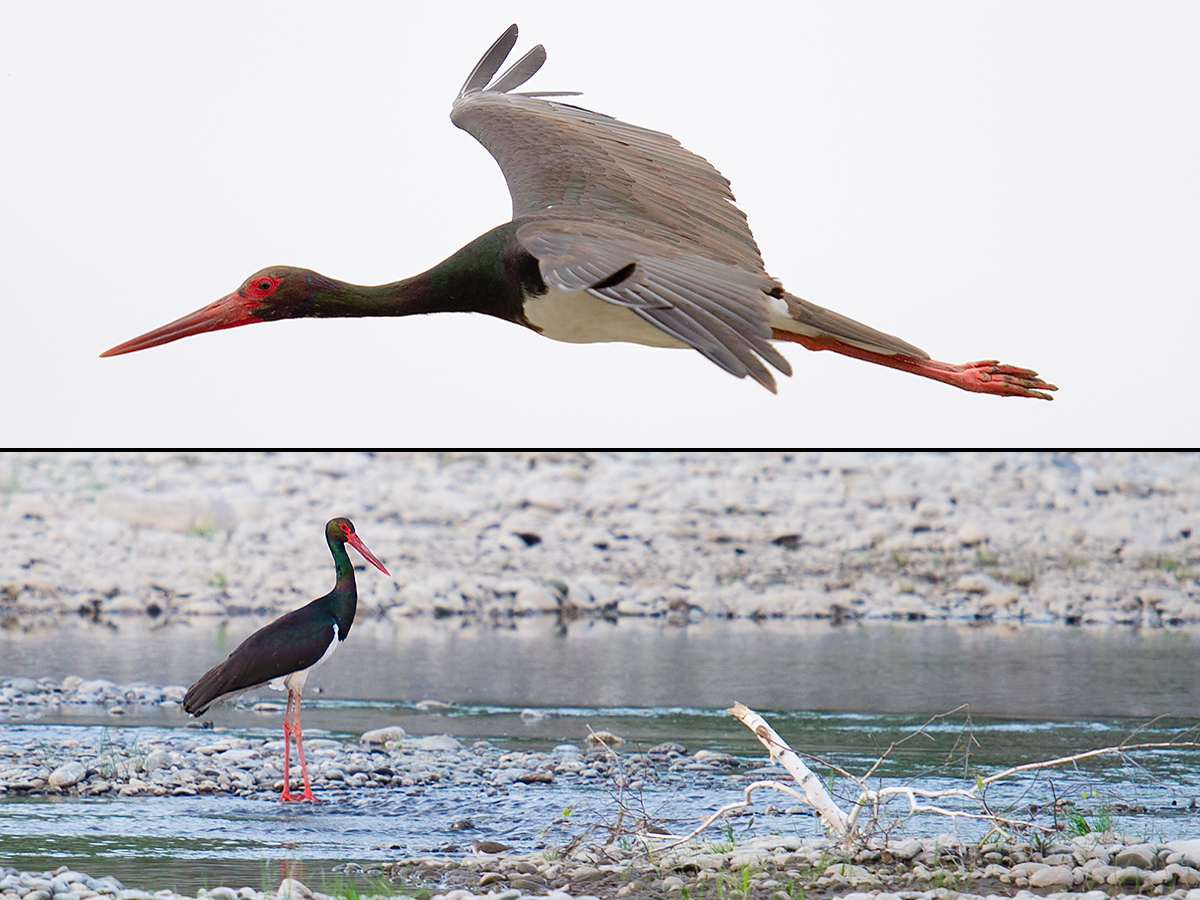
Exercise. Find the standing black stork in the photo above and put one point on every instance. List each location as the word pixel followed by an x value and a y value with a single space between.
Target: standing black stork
pixel 618 234
pixel 282 653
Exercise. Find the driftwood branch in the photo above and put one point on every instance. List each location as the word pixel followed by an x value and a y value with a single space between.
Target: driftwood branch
pixel 814 792
pixel 844 825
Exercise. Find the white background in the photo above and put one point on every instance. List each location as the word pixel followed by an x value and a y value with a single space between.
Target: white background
pixel 1019 180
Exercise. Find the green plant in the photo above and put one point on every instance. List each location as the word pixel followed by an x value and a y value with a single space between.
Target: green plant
pixel 1160 561
pixel 1074 561
pixel 346 887
pixel 46 754
pixel 728 842
pixel 985 557
pixel 1022 576
pixel 1078 822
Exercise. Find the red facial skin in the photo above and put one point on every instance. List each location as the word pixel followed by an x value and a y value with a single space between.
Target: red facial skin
pixel 230 311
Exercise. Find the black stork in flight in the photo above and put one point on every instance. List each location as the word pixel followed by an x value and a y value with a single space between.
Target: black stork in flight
pixel 282 653
pixel 618 234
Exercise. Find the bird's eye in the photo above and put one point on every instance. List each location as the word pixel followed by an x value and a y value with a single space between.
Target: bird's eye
pixel 261 287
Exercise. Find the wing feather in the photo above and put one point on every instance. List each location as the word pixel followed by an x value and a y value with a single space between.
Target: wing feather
pixel 716 309
pixel 594 194
pixel 520 71
pixel 491 62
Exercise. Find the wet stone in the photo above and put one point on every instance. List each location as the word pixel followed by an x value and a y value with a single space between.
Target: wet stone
pixel 68 774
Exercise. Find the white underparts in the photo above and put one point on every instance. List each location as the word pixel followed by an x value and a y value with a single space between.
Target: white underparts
pixel 293 682
pixel 781 320
pixel 578 317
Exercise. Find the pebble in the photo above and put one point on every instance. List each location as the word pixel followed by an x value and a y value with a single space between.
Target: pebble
pixel 1083 538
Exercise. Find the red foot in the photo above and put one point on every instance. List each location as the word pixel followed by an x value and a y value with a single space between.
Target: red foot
pixel 288 797
pixel 987 376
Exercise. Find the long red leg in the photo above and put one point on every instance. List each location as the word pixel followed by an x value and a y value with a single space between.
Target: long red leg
pixel 308 794
pixel 987 376
pixel 287 746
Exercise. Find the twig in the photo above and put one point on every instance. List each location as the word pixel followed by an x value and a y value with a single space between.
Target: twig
pixel 730 807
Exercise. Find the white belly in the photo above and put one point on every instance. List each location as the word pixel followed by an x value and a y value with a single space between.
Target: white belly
pixel 581 318
pixel 294 681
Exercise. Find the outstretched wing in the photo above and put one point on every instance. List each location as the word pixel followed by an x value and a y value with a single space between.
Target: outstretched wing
pixel 595 194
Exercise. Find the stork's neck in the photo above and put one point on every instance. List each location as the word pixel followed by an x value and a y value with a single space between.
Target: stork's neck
pixel 493 274
pixel 343 599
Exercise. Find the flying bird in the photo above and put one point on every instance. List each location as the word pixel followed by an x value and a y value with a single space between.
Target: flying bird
pixel 282 654
pixel 618 234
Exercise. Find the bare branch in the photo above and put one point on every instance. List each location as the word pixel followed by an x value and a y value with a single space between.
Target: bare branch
pixel 814 792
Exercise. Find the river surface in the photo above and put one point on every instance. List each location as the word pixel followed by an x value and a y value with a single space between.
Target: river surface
pixel 838 692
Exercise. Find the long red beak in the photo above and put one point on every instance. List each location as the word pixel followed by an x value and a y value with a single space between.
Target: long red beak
pixel 228 312
pixel 356 542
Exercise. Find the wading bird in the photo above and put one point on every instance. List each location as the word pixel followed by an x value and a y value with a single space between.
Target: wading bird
pixel 282 653
pixel 618 234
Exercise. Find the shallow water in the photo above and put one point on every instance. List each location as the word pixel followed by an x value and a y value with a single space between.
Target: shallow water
pixel 1058 672
pixel 839 693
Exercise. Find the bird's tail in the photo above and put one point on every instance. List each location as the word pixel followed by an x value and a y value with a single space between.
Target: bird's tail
pixel 811 321
pixel 208 687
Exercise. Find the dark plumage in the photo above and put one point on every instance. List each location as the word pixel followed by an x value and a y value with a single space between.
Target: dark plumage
pixel 290 646
pixel 618 233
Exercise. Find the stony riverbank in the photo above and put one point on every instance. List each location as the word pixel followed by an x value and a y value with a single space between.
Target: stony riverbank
pixel 187 762
pixel 1034 538
pixel 771 868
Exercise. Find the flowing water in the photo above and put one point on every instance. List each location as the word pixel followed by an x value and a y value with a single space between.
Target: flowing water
pixel 838 692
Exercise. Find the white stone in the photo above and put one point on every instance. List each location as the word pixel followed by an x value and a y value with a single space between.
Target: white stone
pixel 433 742
pixel 1051 876
pixel 68 774
pixel 390 733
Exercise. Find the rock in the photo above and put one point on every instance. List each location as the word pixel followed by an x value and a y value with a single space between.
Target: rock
pixel 202 607
pixel 389 733
pixel 433 705
pixel 970 534
pixel 1187 876
pixel 1141 856
pixel 715 758
pixel 1051 876
pixel 293 889
pixel 536 599
pixel 197 515
pixel 433 742
pixel 95 687
pixel 68 774
pixel 606 738
pixel 156 759
pixel 1186 848
pixel 905 849
pixel 1130 875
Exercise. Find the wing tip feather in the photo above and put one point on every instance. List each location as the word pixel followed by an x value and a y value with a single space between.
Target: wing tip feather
pixel 490 62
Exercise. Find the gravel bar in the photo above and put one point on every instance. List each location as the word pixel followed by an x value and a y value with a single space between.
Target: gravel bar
pixel 187 762
pixel 770 868
pixel 1079 538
